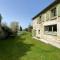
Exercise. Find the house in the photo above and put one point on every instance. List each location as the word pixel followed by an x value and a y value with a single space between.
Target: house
pixel 46 24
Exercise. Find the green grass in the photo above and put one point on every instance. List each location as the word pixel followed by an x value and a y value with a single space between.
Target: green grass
pixel 24 47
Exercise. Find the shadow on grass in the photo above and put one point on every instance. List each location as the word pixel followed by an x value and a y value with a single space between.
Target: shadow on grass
pixel 13 49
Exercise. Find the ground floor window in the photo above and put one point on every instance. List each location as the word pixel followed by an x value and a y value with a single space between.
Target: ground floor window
pixel 50 29
pixel 55 27
pixel 38 31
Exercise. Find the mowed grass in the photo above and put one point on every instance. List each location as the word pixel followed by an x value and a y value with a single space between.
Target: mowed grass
pixel 24 47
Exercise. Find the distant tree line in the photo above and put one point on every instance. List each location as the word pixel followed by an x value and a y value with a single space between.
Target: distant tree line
pixel 13 30
pixel 6 32
pixel 29 28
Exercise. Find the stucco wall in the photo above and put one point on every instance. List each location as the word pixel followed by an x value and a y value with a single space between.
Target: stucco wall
pixel 36 26
pixel 58 29
pixel 47 20
pixel 58 6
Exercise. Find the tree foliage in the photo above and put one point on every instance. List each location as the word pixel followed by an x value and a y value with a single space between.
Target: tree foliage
pixel 14 27
pixel 0 18
pixel 20 28
pixel 29 28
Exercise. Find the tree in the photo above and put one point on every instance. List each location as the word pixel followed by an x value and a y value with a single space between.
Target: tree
pixel 14 27
pixel 30 28
pixel 6 30
pixel 0 18
pixel 26 29
pixel 20 28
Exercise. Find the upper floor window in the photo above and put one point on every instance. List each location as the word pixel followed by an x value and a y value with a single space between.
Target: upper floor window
pixel 40 17
pixel 53 12
pixel 39 20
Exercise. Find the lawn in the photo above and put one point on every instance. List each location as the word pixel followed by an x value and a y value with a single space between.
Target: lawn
pixel 24 47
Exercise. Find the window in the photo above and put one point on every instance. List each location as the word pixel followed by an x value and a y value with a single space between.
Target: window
pixel 38 31
pixel 50 29
pixel 53 12
pixel 55 28
pixel 46 28
pixel 40 17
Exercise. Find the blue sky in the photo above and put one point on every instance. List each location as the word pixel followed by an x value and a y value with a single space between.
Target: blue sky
pixel 21 10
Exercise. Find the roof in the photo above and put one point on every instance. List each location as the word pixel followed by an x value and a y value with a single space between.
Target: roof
pixel 44 10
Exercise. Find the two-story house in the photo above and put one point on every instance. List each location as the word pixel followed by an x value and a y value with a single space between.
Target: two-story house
pixel 46 24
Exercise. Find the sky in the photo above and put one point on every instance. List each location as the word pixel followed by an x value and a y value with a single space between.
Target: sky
pixel 21 11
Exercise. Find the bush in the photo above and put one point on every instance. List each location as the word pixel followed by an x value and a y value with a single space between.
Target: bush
pixel 5 32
